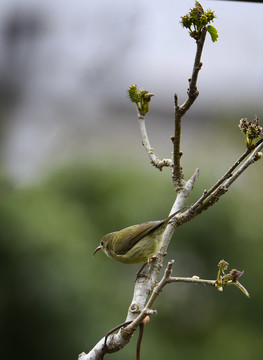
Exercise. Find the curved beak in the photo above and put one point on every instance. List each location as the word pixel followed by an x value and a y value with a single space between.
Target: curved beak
pixel 97 249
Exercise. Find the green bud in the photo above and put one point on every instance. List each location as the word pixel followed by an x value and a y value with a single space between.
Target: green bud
pixel 141 98
pixel 134 94
pixel 197 19
pixel 229 279
pixel 223 265
pixel 252 131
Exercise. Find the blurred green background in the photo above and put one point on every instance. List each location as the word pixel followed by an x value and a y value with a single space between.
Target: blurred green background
pixel 57 301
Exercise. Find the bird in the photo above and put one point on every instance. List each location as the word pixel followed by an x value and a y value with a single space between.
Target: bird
pixel 137 243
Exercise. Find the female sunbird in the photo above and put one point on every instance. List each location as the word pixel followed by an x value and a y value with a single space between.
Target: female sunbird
pixel 137 243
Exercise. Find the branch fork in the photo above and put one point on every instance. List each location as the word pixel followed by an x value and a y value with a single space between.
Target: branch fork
pixel 147 290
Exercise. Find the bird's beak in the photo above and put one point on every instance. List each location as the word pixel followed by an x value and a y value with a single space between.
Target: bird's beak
pixel 98 249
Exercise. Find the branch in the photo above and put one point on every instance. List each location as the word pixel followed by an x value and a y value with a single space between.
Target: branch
pixel 193 280
pixel 139 309
pixel 159 164
pixel 166 279
pixel 222 189
pixel 115 342
pixel 192 91
pixel 211 196
pixel 255 156
pixel 226 176
pixel 147 289
pixel 179 111
pixel 128 328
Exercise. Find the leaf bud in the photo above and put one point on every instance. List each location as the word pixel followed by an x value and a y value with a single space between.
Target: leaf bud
pixel 252 131
pixel 223 265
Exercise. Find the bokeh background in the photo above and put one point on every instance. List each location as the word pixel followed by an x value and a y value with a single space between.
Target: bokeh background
pixel 73 168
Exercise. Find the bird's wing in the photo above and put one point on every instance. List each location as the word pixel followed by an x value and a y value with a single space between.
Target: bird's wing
pixel 132 234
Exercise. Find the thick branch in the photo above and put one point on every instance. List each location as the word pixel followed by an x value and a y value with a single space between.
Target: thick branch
pixel 147 290
pixel 180 202
pixel 139 309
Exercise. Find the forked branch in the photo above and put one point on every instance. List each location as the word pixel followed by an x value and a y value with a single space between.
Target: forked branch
pixel 147 289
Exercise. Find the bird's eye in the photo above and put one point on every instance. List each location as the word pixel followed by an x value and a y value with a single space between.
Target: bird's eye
pixel 101 244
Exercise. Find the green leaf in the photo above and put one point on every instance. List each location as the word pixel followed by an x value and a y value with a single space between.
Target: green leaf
pixel 213 32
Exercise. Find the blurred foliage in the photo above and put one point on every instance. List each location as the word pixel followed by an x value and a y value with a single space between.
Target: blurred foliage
pixel 57 301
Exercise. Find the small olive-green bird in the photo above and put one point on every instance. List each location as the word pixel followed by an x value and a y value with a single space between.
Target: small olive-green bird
pixel 137 243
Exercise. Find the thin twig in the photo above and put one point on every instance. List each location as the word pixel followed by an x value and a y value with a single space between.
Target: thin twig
pixel 176 139
pixel 223 188
pixel 179 111
pixel 252 158
pixel 192 280
pixel 226 176
pixel 193 92
pixel 158 289
pixel 211 196
pixel 159 164
pixel 139 341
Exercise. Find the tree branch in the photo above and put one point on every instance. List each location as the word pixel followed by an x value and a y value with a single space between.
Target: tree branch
pixel 179 111
pixel 227 175
pixel 192 280
pixel 117 341
pixel 211 196
pixel 147 289
pixel 139 309
pixel 252 158
pixel 159 164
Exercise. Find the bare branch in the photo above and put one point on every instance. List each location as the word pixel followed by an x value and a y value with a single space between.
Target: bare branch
pixel 166 279
pixel 226 176
pixel 193 92
pixel 252 158
pixel 158 289
pixel 222 189
pixel 192 280
pixel 159 164
pixel 211 196
pixel 179 111
pixel 138 348
pixel 147 289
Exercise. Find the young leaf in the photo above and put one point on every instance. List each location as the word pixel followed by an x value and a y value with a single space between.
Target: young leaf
pixel 213 32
